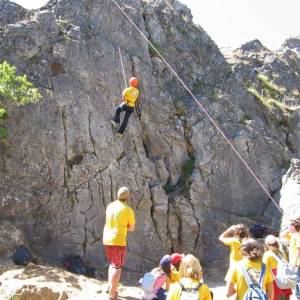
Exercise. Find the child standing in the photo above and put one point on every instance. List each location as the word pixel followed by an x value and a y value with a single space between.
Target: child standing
pixel 233 238
pixel 176 259
pixel 191 280
pixel 270 259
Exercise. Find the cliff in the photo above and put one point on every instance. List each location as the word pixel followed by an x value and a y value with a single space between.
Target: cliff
pixel 64 164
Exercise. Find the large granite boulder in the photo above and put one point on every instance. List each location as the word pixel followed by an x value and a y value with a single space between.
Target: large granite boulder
pixel 290 193
pixel 63 164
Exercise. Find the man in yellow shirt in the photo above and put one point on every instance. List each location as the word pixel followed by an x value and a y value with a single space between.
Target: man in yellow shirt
pixel 130 96
pixel 119 220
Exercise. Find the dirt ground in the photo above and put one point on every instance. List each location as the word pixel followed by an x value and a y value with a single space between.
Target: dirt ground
pixel 218 288
pixel 36 282
pixel 133 293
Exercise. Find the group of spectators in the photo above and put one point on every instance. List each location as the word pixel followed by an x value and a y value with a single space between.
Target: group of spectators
pixel 180 276
pixel 248 254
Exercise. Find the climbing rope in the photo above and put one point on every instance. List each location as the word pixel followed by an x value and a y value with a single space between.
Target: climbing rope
pixel 202 108
pixel 122 66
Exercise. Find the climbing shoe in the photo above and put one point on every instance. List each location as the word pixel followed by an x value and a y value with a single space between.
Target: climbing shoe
pixel 120 135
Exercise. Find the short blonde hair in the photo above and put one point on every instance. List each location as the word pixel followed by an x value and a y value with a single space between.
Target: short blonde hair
pixel 123 193
pixel 190 267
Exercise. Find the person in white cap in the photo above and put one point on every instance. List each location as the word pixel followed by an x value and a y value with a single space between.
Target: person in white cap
pixel 293 235
pixel 119 220
pixel 270 259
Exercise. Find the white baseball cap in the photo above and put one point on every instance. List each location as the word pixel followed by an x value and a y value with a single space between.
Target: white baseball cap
pixel 271 239
pixel 123 193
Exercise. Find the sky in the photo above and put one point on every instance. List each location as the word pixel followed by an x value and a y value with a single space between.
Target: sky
pixel 231 23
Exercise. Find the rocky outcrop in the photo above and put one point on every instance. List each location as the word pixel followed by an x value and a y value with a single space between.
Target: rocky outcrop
pixel 11 12
pixel 275 74
pixel 47 283
pixel 292 44
pixel 63 163
pixel 290 193
pixel 36 282
pixel 272 77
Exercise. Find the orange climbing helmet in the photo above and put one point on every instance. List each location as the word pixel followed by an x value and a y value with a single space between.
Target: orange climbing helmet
pixel 133 81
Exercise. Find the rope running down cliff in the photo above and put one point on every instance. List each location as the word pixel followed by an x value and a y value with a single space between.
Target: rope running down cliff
pixel 122 66
pixel 202 108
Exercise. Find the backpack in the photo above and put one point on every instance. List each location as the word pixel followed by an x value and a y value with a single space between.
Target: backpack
pixel 286 277
pixel 255 291
pixel 75 264
pixel 22 255
pixel 193 293
pixel 190 293
pixel 151 282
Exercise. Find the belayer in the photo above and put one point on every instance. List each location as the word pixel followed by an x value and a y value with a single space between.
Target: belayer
pixel 129 98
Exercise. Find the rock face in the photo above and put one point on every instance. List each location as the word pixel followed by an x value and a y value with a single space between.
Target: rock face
pixel 63 164
pixel 290 192
pixel 11 13
pixel 10 238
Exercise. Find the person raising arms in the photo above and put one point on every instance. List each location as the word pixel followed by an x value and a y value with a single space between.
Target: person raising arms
pixel 233 238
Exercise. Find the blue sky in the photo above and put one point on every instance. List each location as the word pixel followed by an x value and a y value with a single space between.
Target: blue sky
pixel 231 23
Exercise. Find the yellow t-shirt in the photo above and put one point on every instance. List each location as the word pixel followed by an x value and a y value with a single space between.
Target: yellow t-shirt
pixel 237 277
pixel 175 290
pixel 235 249
pixel 294 245
pixel 174 276
pixel 269 260
pixel 130 95
pixel 118 216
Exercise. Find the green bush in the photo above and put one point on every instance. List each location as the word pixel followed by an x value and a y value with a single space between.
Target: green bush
pixel 3 113
pixel 14 88
pixel 3 133
pixel 270 102
pixel 270 86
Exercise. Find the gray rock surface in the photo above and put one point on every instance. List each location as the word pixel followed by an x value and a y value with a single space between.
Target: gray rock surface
pixel 290 193
pixel 63 164
pixel 11 12
pixel 10 238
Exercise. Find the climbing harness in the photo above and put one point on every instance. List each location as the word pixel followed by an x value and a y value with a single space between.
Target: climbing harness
pixel 202 108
